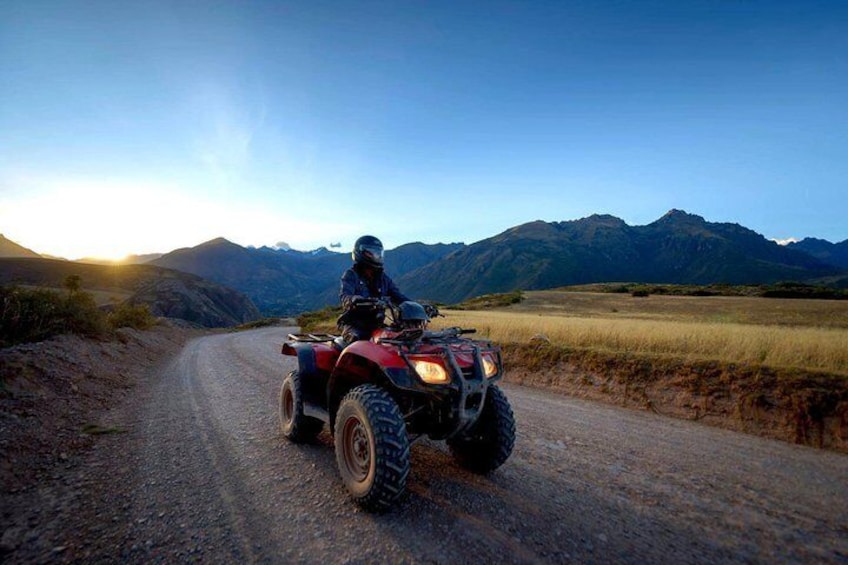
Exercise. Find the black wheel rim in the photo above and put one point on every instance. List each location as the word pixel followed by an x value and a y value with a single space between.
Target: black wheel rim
pixel 357 449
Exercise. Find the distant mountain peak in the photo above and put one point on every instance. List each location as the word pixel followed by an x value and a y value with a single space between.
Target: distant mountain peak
pixel 681 215
pixel 321 251
pixel 217 241
pixel 534 227
pixel 604 219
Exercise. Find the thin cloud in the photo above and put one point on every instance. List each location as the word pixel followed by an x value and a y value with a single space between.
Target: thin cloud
pixel 225 133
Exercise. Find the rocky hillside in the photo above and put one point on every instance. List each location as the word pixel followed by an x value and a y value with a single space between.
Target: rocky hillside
pixel 199 301
pixel 168 293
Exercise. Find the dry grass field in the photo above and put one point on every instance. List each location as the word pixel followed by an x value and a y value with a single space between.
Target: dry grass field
pixel 780 333
pixel 769 366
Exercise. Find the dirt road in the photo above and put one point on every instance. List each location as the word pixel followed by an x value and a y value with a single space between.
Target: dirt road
pixel 202 473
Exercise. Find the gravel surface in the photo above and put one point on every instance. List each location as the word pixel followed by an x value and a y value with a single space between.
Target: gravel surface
pixel 203 473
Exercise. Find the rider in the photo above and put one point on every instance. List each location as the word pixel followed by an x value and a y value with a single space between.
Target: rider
pixel 365 280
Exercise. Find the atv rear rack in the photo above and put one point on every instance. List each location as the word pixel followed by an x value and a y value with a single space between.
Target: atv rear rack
pixel 312 338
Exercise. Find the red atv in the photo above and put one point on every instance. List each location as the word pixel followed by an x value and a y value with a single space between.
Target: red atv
pixel 381 395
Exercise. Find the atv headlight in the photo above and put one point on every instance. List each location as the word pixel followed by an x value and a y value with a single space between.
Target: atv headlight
pixel 490 368
pixel 430 373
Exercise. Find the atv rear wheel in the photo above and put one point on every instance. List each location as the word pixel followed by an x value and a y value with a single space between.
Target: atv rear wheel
pixel 488 443
pixel 294 424
pixel 372 448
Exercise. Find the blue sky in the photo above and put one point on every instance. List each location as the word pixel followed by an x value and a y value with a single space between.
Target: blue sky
pixel 139 127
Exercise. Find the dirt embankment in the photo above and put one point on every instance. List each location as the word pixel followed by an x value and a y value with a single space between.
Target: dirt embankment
pixel 802 407
pixel 53 393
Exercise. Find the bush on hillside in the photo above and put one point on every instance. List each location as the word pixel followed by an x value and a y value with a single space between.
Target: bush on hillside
pixel 136 316
pixel 82 316
pixel 801 290
pixel 34 315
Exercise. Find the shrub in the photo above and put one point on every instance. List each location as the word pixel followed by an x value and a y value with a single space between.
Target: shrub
pixel 801 290
pixel 34 315
pixel 127 315
pixel 82 316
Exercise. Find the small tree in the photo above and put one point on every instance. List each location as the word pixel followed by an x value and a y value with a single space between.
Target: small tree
pixel 73 283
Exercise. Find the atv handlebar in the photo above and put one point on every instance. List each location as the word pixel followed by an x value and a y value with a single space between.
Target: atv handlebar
pixel 369 304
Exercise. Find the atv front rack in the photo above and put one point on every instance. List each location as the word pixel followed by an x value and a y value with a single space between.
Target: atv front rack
pixel 312 338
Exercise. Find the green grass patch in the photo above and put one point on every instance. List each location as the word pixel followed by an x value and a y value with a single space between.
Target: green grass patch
pixel 323 320
pixel 98 430
pixel 489 301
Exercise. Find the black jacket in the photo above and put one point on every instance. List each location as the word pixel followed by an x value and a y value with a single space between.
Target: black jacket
pixel 354 285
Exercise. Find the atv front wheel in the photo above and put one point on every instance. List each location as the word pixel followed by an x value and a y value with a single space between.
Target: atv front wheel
pixel 488 443
pixel 372 448
pixel 294 424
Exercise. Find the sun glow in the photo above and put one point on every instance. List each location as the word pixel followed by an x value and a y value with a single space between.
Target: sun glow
pixel 112 219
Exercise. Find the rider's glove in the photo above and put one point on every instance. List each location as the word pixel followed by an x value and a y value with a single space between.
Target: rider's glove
pixel 351 301
pixel 431 310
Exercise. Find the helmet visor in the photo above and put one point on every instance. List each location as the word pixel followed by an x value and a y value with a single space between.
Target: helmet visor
pixel 372 253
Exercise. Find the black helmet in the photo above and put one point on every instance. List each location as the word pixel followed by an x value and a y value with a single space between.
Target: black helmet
pixel 368 250
pixel 412 315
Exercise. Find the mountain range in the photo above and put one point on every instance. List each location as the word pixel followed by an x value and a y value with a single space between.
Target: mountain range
pixel 678 248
